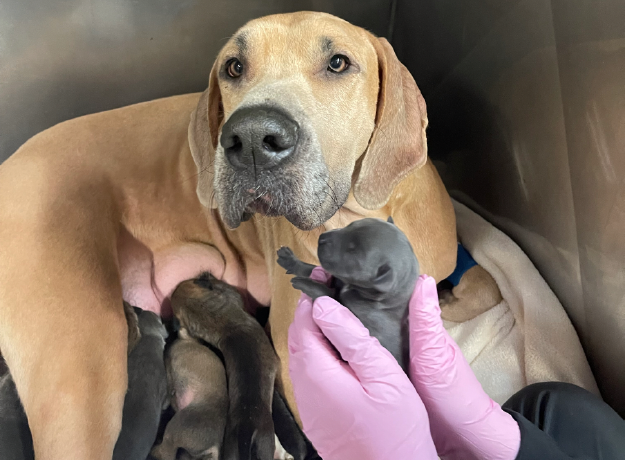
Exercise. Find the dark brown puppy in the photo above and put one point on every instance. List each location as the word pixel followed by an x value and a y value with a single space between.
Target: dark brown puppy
pixel 212 311
pixel 199 395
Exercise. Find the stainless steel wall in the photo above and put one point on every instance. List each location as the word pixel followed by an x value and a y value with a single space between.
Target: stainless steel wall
pixel 63 58
pixel 526 102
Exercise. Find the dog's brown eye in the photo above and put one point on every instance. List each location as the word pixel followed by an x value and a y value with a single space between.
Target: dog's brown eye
pixel 235 68
pixel 338 63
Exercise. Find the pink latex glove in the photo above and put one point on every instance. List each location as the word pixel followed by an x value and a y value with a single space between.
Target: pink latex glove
pixel 362 408
pixel 465 422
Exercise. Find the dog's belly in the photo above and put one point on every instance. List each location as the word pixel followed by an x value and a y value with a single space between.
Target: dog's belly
pixel 148 278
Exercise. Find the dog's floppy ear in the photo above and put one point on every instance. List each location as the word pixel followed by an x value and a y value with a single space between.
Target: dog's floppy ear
pixel 206 120
pixel 398 143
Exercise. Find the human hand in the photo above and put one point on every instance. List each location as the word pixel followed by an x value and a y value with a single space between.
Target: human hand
pixel 362 406
pixel 465 422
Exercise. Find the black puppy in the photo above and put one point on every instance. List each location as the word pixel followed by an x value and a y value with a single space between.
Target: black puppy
pixel 147 390
pixel 374 272
pixel 143 404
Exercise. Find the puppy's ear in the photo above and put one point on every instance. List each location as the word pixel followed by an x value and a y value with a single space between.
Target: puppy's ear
pixel 398 143
pixel 204 127
pixel 390 220
pixel 384 279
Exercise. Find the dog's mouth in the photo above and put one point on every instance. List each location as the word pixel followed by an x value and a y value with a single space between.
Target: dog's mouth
pixel 262 204
pixel 302 192
pixel 280 200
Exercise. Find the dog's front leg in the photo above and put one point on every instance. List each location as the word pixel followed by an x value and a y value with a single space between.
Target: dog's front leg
pixel 63 331
pixel 284 300
pixel 476 293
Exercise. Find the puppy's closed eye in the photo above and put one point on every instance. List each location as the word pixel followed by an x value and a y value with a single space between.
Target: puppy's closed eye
pixel 383 270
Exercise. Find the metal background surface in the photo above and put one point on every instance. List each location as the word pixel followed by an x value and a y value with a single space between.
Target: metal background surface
pixel 526 104
pixel 63 58
pixel 526 101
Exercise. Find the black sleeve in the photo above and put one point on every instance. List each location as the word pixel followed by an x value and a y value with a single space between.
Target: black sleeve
pixel 536 444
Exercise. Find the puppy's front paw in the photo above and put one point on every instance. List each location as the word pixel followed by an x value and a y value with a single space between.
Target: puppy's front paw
pixel 311 288
pixel 287 259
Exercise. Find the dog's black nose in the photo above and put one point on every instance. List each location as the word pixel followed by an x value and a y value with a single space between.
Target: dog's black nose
pixel 258 137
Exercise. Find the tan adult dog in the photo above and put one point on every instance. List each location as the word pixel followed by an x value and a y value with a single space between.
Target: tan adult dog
pixel 326 127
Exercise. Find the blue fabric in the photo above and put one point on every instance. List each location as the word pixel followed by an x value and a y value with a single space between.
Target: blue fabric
pixel 463 263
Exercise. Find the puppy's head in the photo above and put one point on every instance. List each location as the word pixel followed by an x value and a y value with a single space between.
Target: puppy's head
pixel 369 253
pixel 196 292
pixel 301 108
pixel 150 324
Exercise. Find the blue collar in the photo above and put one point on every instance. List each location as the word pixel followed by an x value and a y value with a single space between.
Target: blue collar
pixel 463 263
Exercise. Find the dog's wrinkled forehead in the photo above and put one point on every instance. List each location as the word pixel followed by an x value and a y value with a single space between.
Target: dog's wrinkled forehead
pixel 291 53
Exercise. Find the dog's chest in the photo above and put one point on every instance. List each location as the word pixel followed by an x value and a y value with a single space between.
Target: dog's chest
pixel 148 278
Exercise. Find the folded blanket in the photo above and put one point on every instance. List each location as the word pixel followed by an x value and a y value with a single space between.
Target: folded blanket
pixel 528 337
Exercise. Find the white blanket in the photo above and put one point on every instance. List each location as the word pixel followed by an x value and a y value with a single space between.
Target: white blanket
pixel 528 337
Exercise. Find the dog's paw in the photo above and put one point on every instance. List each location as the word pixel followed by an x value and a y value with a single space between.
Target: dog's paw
pixel 446 297
pixel 287 259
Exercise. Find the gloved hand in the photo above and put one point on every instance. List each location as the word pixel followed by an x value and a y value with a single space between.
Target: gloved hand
pixel 359 408
pixel 465 422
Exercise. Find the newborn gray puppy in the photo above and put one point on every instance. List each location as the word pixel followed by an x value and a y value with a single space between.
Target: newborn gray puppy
pixel 212 311
pixel 143 404
pixel 147 389
pixel 374 272
pixel 199 395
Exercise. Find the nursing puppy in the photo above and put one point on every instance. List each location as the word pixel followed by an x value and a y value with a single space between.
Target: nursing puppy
pixel 147 388
pixel 199 395
pixel 374 273
pixel 212 311
pixel 143 404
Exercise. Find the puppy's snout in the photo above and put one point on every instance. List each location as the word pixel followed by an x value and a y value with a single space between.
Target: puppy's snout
pixel 325 249
pixel 258 137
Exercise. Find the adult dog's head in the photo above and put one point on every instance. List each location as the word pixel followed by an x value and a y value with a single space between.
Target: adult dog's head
pixel 300 108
